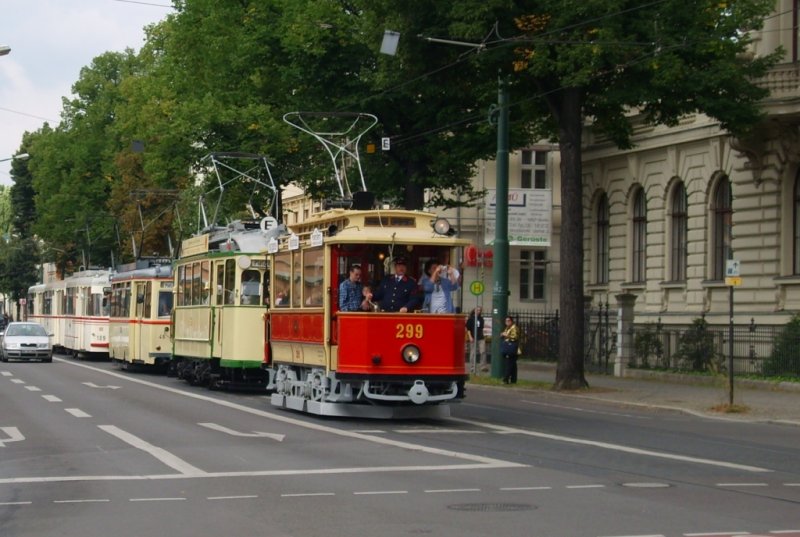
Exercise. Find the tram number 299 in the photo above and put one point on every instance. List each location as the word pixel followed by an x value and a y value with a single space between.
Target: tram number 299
pixel 408 331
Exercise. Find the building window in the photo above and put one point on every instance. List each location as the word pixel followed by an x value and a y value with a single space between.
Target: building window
pixel 602 225
pixel 723 220
pixel 639 236
pixel 533 169
pixel 532 274
pixel 679 232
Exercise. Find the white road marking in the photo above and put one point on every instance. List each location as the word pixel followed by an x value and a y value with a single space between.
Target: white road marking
pixel 98 500
pixel 585 486
pixel 254 434
pixel 742 484
pixel 439 491
pixel 7 373
pixel 482 462
pixel 162 455
pixel 791 484
pixel 654 535
pixel 78 413
pixel 93 385
pixel 243 497
pixel 436 431
pixel 301 495
pixel 14 503
pixel 379 492
pixel 646 485
pixel 511 489
pixel 157 499
pixel 721 533
pixel 18 381
pixel 13 435
pixel 500 429
pixel 52 398
pixel 33 389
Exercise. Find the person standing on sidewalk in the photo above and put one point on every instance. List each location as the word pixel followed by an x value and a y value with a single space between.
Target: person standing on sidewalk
pixel 509 347
pixel 477 344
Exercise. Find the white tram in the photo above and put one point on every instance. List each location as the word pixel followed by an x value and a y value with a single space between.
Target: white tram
pixel 75 310
pixel 141 305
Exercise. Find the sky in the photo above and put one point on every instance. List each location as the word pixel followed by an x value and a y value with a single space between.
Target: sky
pixel 51 40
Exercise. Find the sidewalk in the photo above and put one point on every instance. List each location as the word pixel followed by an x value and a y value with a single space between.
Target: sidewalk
pixel 761 401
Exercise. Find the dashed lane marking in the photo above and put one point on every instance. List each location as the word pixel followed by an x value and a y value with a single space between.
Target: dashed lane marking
pixel 33 388
pixel 78 413
pixel 52 398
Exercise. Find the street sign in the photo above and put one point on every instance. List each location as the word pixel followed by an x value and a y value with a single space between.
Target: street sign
pixel 733 281
pixel 476 287
pixel 732 267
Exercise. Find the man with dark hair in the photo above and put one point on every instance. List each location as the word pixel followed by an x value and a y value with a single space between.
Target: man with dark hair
pixel 398 291
pixel 350 291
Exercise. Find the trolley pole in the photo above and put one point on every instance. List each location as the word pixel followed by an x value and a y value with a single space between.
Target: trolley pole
pixel 500 246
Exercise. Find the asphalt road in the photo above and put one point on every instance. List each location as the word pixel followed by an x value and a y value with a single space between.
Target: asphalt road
pixel 89 450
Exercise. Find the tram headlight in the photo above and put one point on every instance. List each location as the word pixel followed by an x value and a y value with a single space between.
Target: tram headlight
pixel 411 354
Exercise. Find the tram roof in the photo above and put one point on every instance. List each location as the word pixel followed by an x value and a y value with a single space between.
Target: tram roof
pixel 376 226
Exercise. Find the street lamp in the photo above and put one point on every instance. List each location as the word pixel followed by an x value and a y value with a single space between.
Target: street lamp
pixel 4 49
pixel 499 117
pixel 21 156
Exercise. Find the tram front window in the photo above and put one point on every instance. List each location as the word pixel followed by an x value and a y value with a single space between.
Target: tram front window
pixel 164 303
pixel 251 287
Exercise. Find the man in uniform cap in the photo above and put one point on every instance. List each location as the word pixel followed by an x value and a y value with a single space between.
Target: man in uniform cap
pixel 398 291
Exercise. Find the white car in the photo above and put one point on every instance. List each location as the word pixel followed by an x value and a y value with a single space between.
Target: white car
pixel 26 341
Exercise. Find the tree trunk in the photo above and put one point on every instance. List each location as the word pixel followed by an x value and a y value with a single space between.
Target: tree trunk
pixel 414 197
pixel 570 373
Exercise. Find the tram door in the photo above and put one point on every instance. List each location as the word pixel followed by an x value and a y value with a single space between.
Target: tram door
pixel 141 316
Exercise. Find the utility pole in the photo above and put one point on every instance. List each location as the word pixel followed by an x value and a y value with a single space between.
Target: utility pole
pixel 500 246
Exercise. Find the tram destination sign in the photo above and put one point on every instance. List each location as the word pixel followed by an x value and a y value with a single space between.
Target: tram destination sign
pixel 530 216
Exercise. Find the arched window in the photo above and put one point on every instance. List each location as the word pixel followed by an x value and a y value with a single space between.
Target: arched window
pixel 723 214
pixel 601 268
pixel 639 237
pixel 679 233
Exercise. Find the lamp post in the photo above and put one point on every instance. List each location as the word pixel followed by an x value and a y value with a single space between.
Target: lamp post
pixel 500 117
pixel 21 156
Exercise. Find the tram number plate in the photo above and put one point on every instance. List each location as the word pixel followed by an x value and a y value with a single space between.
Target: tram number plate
pixel 408 331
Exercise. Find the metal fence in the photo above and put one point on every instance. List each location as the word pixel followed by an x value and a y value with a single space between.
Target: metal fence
pixel 767 351
pixel 539 331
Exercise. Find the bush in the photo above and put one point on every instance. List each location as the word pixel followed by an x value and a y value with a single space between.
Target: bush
pixel 785 359
pixel 696 350
pixel 646 343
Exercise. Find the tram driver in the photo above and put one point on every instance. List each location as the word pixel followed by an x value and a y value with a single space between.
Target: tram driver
pixel 398 292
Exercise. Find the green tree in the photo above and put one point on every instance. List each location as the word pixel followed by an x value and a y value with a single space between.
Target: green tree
pixel 596 61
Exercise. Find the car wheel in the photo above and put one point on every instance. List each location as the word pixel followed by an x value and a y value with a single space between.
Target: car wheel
pixel 3 358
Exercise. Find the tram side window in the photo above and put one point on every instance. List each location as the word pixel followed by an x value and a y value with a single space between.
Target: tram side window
pixel 95 305
pixel 205 282
pixel 47 306
pixel 251 287
pixel 312 277
pixel 181 274
pixel 106 302
pixel 126 300
pixel 297 279
pixel 283 275
pixel 69 301
pixel 219 296
pixel 230 281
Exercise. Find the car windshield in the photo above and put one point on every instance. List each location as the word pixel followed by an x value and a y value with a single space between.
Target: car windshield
pixel 25 330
